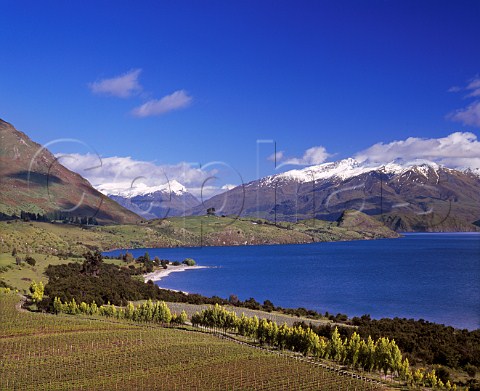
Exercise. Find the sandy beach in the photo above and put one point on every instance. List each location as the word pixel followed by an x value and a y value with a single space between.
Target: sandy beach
pixel 157 275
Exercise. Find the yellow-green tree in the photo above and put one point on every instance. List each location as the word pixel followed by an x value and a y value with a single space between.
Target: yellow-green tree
pixel 37 291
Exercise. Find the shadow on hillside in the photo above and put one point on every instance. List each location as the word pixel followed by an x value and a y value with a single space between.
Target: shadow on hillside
pixel 36 178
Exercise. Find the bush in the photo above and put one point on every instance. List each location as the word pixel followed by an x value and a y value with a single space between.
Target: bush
pixel 30 260
pixel 176 263
pixel 189 262
pixel 471 370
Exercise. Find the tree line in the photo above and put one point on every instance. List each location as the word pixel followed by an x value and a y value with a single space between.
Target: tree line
pixel 157 312
pixel 382 355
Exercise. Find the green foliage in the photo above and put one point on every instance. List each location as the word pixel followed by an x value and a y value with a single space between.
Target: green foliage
pixel 97 281
pixel 37 291
pixel 471 370
pixel 425 342
pixel 382 355
pixel 189 262
pixel 147 312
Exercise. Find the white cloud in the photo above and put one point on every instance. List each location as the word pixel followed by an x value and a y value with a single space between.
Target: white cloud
pixel 121 86
pixel 312 156
pixel 470 115
pixel 128 172
pixel 458 150
pixel 276 157
pixel 177 100
pixel 454 89
pixel 474 87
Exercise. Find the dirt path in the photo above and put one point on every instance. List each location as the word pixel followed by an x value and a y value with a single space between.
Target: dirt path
pixel 19 305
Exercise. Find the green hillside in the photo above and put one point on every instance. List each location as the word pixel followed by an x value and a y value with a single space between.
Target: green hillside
pixel 68 239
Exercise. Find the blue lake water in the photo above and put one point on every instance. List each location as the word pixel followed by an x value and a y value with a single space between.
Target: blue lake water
pixel 435 277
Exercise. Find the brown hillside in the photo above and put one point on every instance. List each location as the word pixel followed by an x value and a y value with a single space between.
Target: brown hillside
pixel 32 180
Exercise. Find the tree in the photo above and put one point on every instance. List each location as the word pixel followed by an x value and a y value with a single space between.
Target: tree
pixel 268 306
pixel 353 350
pixel 37 291
pixel 233 299
pixel 418 376
pixel 189 262
pixel 57 305
pixel 128 257
pixel 336 346
pixel 394 357
pixel 382 355
pixel 91 265
pixel 129 311
pixel 162 313
pixel 30 260
pixel 183 317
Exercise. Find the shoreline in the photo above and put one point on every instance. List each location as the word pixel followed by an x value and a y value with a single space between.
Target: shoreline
pixel 157 275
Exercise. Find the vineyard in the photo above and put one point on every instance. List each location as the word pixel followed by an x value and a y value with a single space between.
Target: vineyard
pixel 61 352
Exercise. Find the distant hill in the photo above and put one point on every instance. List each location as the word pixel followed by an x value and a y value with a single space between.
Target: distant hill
pixel 46 238
pixel 32 180
pixel 415 196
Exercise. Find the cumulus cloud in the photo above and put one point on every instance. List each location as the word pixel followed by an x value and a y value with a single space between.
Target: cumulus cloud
pixel 122 86
pixel 177 100
pixel 312 156
pixel 126 172
pixel 459 150
pixel 469 115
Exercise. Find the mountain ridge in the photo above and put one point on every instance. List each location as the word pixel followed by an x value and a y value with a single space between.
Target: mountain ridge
pixel 410 196
pixel 34 181
pixel 150 202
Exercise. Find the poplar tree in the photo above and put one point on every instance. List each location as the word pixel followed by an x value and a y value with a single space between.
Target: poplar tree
pixel 353 350
pixel 336 346
pixel 57 305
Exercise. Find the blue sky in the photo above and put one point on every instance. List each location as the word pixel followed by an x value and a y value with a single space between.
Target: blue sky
pixel 201 81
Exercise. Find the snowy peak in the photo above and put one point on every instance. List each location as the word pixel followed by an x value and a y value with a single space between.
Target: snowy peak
pixel 350 168
pixel 129 190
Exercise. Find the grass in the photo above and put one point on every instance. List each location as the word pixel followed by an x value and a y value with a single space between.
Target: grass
pixel 55 239
pixel 21 276
pixel 61 352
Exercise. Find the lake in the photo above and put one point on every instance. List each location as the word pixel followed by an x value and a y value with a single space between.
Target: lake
pixel 435 277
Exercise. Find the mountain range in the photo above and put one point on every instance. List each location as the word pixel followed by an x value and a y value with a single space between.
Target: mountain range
pixel 406 196
pixel 34 182
pixel 166 200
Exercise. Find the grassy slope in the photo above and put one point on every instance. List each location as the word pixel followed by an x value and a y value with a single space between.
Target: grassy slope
pixel 61 243
pixel 21 276
pixel 40 351
pixel 49 238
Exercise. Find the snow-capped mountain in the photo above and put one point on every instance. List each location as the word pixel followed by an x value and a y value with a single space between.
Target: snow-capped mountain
pixel 159 201
pixel 349 168
pixel 408 196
